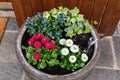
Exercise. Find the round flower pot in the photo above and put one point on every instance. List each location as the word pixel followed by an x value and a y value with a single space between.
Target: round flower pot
pixel 35 74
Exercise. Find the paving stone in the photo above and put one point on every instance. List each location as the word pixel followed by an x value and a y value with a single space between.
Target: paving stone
pixel 104 74
pixel 7 14
pixel 10 71
pixel 5 5
pixel 7 48
pixel 106 58
pixel 12 24
pixel 116 42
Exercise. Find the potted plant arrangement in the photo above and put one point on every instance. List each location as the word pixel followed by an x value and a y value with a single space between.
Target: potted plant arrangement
pixel 57 45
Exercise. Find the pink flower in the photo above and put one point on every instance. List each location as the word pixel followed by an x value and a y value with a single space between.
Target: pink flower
pixel 39 35
pixel 47 45
pixel 26 50
pixel 36 56
pixel 37 44
pixel 31 40
pixel 52 45
pixel 44 40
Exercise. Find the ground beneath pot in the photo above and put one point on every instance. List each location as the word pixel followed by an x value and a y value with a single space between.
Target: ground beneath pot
pixel 107 68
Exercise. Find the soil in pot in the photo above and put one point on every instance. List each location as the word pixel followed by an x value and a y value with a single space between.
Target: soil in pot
pixel 82 39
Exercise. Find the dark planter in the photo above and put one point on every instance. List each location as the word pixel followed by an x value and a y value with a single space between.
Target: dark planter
pixel 35 74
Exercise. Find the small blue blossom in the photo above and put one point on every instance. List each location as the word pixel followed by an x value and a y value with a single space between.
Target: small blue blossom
pixel 50 34
pixel 45 25
pixel 60 19
pixel 32 23
pixel 63 15
pixel 44 21
pixel 44 28
pixel 57 33
pixel 39 15
pixel 32 32
pixel 26 22
pixel 38 31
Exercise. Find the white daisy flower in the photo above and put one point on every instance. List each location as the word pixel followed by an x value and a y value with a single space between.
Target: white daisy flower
pixel 72 59
pixel 84 57
pixel 64 51
pixel 69 42
pixel 62 41
pixel 74 49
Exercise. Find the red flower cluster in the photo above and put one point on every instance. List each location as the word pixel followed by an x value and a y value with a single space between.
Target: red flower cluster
pixel 37 41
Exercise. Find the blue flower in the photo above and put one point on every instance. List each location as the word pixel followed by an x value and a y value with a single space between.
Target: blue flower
pixel 39 15
pixel 32 32
pixel 60 19
pixel 44 28
pixel 63 15
pixel 57 33
pixel 38 31
pixel 44 21
pixel 32 23
pixel 26 22
pixel 50 34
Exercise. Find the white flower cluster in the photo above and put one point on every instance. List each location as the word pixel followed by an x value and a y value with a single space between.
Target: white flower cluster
pixel 73 48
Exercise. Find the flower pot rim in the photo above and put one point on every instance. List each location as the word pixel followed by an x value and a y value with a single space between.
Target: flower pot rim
pixel 83 70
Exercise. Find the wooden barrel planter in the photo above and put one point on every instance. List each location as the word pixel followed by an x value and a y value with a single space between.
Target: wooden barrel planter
pixel 35 74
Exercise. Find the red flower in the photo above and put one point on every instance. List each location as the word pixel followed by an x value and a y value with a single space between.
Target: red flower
pixel 36 56
pixel 39 35
pixel 47 45
pixel 52 45
pixel 44 40
pixel 37 44
pixel 31 40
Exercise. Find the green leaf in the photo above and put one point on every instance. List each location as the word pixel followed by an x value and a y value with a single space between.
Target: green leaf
pixel 69 33
pixel 87 29
pixel 60 8
pixel 41 65
pixel 28 55
pixel 95 22
pixel 80 17
pixel 79 31
pixel 74 11
pixel 30 49
pixel 73 20
pixel 46 56
pixel 54 54
pixel 46 14
pixel 23 47
pixel 53 62
pixel 82 64
pixel 34 62
pixel 29 60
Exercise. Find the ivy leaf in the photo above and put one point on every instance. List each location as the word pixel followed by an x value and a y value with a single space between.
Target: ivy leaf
pixel 60 8
pixel 95 22
pixel 46 14
pixel 80 17
pixel 73 20
pixel 69 33
pixel 87 29
pixel 74 11
pixel 30 49
pixel 79 31
pixel 41 65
